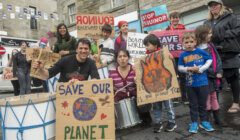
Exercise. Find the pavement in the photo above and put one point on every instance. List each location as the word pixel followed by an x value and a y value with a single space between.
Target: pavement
pixel 144 132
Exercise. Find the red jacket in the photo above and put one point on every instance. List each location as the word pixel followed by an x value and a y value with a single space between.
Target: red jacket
pixel 179 27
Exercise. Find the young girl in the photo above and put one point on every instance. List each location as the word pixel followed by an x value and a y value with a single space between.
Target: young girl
pixel 194 62
pixel 203 34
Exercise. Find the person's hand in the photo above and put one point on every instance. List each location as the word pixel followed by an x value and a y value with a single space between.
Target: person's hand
pixel 219 75
pixel 62 53
pixel 37 64
pixel 195 69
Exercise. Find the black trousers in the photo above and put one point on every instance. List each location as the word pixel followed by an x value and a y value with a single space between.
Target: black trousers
pixel 16 87
pixel 197 102
pixel 232 77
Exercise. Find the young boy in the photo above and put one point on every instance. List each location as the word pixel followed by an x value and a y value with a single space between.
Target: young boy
pixel 174 18
pixel 152 44
pixel 107 47
pixel 194 62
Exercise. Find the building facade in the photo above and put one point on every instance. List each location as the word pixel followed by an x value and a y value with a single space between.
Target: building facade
pixel 193 12
pixel 28 19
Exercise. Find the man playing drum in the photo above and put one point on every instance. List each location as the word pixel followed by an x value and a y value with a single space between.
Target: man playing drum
pixel 77 66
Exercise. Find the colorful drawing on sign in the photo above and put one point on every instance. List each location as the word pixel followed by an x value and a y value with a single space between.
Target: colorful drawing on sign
pixel 65 104
pixel 155 76
pixel 104 100
pixel 103 116
pixel 84 109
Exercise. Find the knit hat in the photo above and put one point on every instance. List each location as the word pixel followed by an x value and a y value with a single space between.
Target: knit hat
pixel 120 23
pixel 43 42
pixel 216 1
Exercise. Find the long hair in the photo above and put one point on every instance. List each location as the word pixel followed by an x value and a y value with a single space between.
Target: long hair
pixel 201 33
pixel 222 11
pixel 59 36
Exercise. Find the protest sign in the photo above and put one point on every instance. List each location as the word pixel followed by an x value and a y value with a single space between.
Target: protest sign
pixel 45 56
pixel 85 110
pixel 90 25
pixel 156 78
pixel 155 18
pixel 135 44
pixel 172 40
pixel 8 74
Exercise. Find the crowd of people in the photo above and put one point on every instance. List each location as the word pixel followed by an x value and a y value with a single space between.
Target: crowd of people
pixel 210 54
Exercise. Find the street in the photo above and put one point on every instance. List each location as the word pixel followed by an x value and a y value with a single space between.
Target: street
pixel 140 132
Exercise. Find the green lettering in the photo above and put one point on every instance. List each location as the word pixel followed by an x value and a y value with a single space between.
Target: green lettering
pixel 103 132
pixel 92 132
pixel 78 133
pixel 66 131
pixel 85 133
pixel 72 137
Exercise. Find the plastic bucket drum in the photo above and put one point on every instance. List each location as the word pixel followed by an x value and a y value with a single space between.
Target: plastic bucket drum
pixel 28 117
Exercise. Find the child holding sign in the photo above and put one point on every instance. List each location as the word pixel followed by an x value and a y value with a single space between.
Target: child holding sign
pixel 194 62
pixel 152 44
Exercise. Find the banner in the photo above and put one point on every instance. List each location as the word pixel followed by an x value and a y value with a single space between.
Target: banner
pixel 135 44
pixel 85 110
pixel 156 78
pixel 155 18
pixel 45 56
pixel 172 40
pixel 90 25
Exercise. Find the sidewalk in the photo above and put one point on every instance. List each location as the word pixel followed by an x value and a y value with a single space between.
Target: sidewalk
pixel 232 132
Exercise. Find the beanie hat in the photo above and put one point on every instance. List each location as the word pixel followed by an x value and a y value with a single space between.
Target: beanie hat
pixel 217 1
pixel 44 40
pixel 120 23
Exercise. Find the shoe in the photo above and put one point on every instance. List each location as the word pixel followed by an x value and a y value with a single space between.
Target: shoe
pixel 234 108
pixel 217 120
pixel 206 126
pixel 170 127
pixel 193 127
pixel 158 127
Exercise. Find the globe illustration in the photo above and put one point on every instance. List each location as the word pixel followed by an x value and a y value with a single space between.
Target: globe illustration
pixel 84 109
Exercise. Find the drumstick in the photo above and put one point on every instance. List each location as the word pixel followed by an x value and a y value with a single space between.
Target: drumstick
pixel 123 88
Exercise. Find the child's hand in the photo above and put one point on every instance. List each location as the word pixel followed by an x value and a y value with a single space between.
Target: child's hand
pixel 195 69
pixel 219 75
pixel 170 56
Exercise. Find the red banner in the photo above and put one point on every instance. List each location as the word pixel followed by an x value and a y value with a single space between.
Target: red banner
pixel 172 40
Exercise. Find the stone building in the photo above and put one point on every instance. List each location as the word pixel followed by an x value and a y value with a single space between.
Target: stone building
pixel 18 18
pixel 193 12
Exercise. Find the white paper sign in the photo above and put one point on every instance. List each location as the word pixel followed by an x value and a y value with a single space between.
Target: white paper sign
pixel 12 15
pixel 28 16
pixel 135 45
pixel 17 9
pixel 1 6
pixel 45 16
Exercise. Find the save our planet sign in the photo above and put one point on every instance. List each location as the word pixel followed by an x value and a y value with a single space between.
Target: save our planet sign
pixel 85 110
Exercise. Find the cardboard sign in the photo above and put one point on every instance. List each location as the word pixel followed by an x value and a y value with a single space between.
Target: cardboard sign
pixel 85 110
pixel 8 74
pixel 156 78
pixel 172 40
pixel 155 18
pixel 45 56
pixel 90 25
pixel 135 44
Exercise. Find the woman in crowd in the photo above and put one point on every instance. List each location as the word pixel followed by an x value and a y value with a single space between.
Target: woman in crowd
pixel 15 83
pixel 23 69
pixel 123 77
pixel 226 31
pixel 66 44
pixel 121 40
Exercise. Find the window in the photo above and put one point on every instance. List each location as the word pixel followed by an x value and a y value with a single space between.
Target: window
pixel 117 3
pixel 33 20
pixel 72 13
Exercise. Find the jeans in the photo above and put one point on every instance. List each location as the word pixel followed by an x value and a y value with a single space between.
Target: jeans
pixel 24 81
pixel 157 111
pixel 197 102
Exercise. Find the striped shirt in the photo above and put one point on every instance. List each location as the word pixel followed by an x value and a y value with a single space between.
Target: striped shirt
pixel 119 82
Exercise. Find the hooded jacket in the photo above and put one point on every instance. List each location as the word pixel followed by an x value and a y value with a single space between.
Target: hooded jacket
pixel 226 31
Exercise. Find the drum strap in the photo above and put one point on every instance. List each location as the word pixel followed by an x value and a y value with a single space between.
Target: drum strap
pixel 22 128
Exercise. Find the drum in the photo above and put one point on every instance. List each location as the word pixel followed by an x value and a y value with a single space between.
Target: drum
pixel 126 113
pixel 103 72
pixel 28 117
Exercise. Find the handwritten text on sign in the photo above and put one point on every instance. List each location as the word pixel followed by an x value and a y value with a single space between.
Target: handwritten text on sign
pixel 85 110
